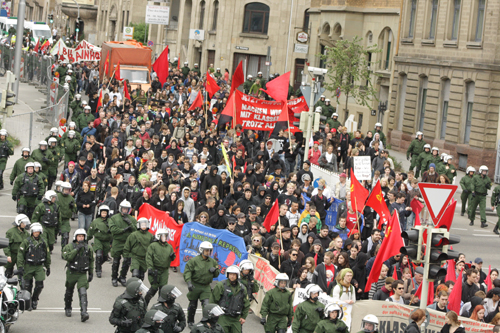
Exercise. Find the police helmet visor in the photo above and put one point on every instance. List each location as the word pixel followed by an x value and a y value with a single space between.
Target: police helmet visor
pixel 143 289
pixel 216 311
pixel 66 190
pixel 159 316
pixel 176 292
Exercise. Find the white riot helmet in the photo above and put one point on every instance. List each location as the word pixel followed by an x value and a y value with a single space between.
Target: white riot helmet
pixel 447 158
pixel 427 146
pixel 36 227
pixel 26 149
pixel 249 77
pixel 435 149
pixel 3 131
pixel 318 109
pixel 70 71
pixel 246 264
pixel 327 100
pixel 206 246
pixel 78 96
pixel 66 186
pixel 67 78
pixel 58 184
pixel 443 155
pixel 335 114
pixel 125 204
pixel 281 277
pixel 378 125
pixel 419 133
pixel 29 164
pixel 38 165
pixel 79 232
pixel 49 195
pixel 141 222
pixel 22 218
pixel 87 108
pixel 52 140
pixel 233 269
pixel 66 86
pixel 71 134
pixel 333 307
pixel 103 208
pixel 311 289
pixel 72 124
pixel 162 235
pixel 54 130
pixel 469 169
pixel 70 66
pixel 369 319
pixel 84 103
pixel 42 143
pixel 483 168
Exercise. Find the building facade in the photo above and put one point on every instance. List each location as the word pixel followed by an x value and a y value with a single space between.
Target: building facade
pixel 447 79
pixel 377 22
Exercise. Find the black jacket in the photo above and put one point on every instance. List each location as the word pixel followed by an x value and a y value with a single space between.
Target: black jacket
pixel 85 199
pixel 291 269
pixel 412 328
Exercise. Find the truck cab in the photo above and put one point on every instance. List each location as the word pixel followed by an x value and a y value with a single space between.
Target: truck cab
pixel 137 76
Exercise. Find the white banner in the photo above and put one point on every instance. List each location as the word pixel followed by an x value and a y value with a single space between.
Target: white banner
pixel 157 14
pixel 362 167
pixel 84 51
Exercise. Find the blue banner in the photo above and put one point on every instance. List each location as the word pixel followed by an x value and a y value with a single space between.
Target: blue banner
pixel 331 215
pixel 229 249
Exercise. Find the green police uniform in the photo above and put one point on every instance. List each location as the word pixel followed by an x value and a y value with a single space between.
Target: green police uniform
pixel 218 74
pixel 19 168
pixel 44 157
pixel 448 170
pixel 329 326
pixel 43 177
pixel 481 185
pixel 334 123
pixel 247 85
pixel 16 237
pixel 6 150
pixel 277 307
pixel 128 313
pixel 202 327
pixel 467 188
pixel 427 160
pixel 80 258
pixel 135 248
pixel 327 111
pixel 62 71
pixel 382 137
pixel 55 137
pixel 78 137
pixel 76 106
pixel 99 229
pixel 32 257
pixel 421 157
pixel 319 103
pixel 306 316
pixel 158 260
pixel 233 299
pixel 185 71
pixel 414 150
pixel 197 272
pixel 28 190
pixel 196 70
pixel 121 227
pixel 67 207
pixel 70 147
pixel 83 120
pixel 495 200
pixel 47 214
pixel 175 316
pixel 250 284
pixel 53 164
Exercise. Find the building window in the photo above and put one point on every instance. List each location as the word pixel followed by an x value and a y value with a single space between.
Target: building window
pixel 413 13
pixel 456 20
pixel 202 15
pixel 478 36
pixel 434 12
pixel 388 50
pixel 445 93
pixel 423 101
pixel 403 82
pixel 385 40
pixel 256 18
pixel 360 121
pixel 216 14
pixel 305 26
pixel 469 105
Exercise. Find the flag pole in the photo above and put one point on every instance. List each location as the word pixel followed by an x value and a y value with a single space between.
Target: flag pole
pixel 357 216
pixel 205 108
pixel 234 117
pixel 281 238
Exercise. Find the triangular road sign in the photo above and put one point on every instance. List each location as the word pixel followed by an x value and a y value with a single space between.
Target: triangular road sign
pixel 437 197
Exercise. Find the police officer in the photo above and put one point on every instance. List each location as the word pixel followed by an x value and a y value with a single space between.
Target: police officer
pixel 52 170
pixel 378 129
pixel 196 70
pixel 433 157
pixel 277 309
pixel 70 146
pixel 248 84
pixel 333 322
pixel 199 273
pixel 467 188
pixel 208 323
pixel 414 150
pixel 19 166
pixel 6 150
pixel 28 188
pixel 136 247
pixel 159 257
pixel 232 297
pixel 309 312
pixel 99 229
pixel 129 310
pixel 121 227
pixel 421 157
pixel 321 102
pixel 84 118
pixel 47 213
pixel 16 235
pixel 481 184
pixel 176 320
pixel 32 257
pixel 369 324
pixel 80 258
pixel 185 69
pixel 327 110
pixel 495 200
pixel 54 133
pixel 43 155
pixel 75 104
pixel 153 320
pixel 334 122
pixel 218 74
pixel 246 277
pixel 41 175
pixel 67 207
pixel 72 127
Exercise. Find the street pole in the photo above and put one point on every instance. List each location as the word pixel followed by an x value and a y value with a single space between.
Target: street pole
pixel 310 118
pixel 425 282
pixel 19 44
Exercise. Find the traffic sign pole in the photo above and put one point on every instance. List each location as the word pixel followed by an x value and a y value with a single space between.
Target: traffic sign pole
pixel 425 285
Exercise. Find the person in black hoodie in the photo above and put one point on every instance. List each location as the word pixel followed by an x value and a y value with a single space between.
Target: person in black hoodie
pixel 212 149
pixel 178 214
pixel 241 227
pixel 210 179
pixel 260 157
pixel 306 246
pixel 258 199
pixel 291 267
pixel 359 274
pixel 219 220
pixel 273 191
pixel 274 257
pixel 265 207
pixel 159 200
pixel 274 162
pixel 246 201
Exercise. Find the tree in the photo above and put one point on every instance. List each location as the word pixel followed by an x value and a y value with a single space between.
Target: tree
pixel 140 32
pixel 348 68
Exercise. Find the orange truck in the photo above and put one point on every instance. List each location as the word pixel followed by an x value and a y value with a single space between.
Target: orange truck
pixel 135 62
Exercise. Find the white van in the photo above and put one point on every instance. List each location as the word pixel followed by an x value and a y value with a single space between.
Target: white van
pixel 39 29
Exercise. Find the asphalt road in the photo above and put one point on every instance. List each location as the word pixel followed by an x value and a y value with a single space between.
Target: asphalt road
pixel 49 317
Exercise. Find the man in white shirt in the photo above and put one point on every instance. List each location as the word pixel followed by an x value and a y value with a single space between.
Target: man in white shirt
pixel 293 214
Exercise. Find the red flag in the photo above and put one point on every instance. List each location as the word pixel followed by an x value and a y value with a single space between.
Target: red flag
pixel 282 123
pixel 99 100
pixel 272 217
pixel 211 85
pixel 417 207
pixel 161 66
pixel 117 72
pixel 447 218
pixel 106 65
pixel 227 114
pixel 455 298
pixel 430 292
pixel 125 90
pixel 45 46
pixel 198 101
pixel 179 62
pixel 395 277
pixel 37 46
pixel 278 88
pixel 450 271
pixel 358 193
pixel 377 202
pixel 238 78
pixel 391 246
pixel 488 281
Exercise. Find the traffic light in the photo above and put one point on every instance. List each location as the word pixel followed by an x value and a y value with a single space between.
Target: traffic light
pixel 51 18
pixel 439 247
pixel 413 240
pixel 317 120
pixel 4 242
pixel 304 120
pixel 77 25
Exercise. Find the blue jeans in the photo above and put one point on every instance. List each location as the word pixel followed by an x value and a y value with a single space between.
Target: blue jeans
pixel 84 221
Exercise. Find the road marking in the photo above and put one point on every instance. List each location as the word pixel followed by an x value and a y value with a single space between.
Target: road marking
pixel 94 310
pixel 481 230
pixel 482 235
pixel 63 309
pixel 7 215
pixel 460 229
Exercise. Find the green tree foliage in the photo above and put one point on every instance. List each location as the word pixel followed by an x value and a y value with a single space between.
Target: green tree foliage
pixel 139 32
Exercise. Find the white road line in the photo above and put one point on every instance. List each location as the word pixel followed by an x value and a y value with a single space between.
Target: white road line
pixel 482 235
pixel 481 230
pixel 460 229
pixel 96 310
pixel 63 309
pixel 8 215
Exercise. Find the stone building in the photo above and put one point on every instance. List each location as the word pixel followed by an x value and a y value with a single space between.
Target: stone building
pixel 447 79
pixel 377 22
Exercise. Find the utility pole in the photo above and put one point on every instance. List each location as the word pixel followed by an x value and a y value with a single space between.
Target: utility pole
pixel 19 44
pixel 316 74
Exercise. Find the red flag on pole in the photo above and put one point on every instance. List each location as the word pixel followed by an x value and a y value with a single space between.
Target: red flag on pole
pixel 358 193
pixel 416 207
pixel 238 78
pixel 430 292
pixel 455 298
pixel 179 62
pixel 99 100
pixel 161 66
pixel 125 90
pixel 117 72
pixel 377 202
pixel 278 88
pixel 37 46
pixel 488 281
pixel 45 46
pixel 227 114
pixel 447 218
pixel 272 216
pixel 450 271
pixel 106 65
pixel 198 101
pixel 211 86
pixel 391 246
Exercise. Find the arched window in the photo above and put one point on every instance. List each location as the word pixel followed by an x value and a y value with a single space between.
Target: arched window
pixel 216 13
pixel 256 18
pixel 202 14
